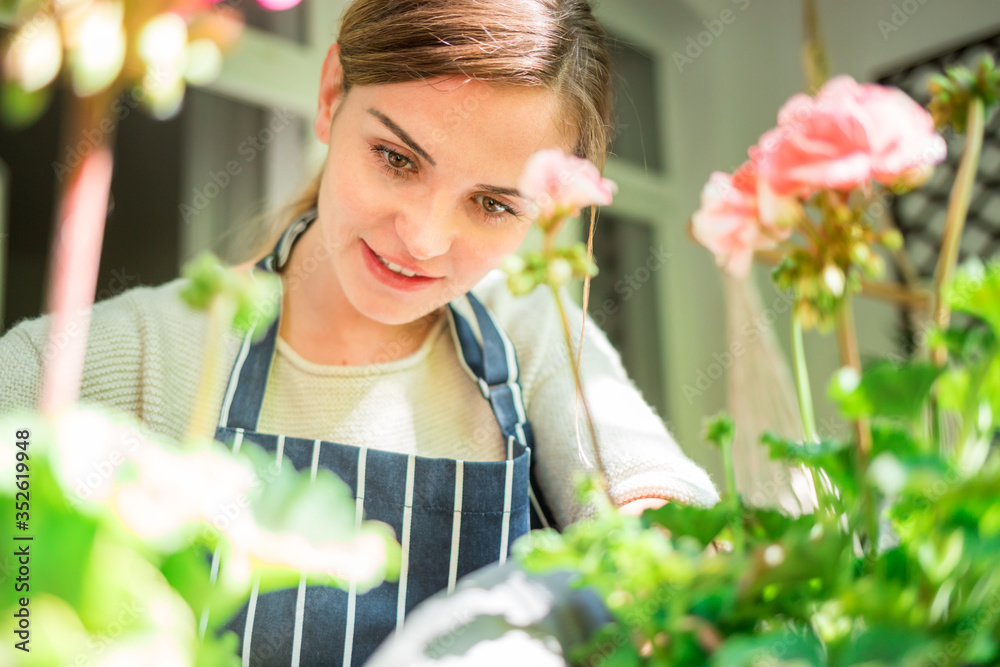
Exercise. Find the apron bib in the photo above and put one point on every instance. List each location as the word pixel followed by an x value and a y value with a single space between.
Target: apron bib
pixel 451 517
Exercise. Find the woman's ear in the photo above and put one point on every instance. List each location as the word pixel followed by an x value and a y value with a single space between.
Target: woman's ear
pixel 330 93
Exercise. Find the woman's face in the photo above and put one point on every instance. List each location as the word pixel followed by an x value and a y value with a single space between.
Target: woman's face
pixel 421 179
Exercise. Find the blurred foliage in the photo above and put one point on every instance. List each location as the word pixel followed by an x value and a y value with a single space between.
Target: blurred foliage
pixel 124 525
pixel 786 590
pixel 107 582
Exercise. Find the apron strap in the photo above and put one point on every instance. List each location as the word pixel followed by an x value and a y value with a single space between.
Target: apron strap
pixel 493 366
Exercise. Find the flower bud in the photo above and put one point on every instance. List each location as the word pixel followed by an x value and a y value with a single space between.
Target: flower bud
pixel 874 267
pixel 892 239
pixel 559 273
pixel 521 283
pixel 513 264
pixel 833 277
pixel 860 253
pixel 807 314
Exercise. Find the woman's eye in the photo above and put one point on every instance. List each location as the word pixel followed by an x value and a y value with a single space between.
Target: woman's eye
pixel 394 162
pixel 397 160
pixel 493 209
pixel 493 206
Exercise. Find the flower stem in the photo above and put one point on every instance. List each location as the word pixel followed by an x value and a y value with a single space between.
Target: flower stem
pixel 847 344
pixel 76 255
pixel 804 394
pixel 958 209
pixel 220 317
pixel 802 382
pixel 736 523
pixel 602 481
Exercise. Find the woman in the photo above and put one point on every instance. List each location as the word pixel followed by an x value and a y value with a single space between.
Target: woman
pixel 386 366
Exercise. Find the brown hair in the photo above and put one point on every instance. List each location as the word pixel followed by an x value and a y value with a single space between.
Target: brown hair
pixel 556 44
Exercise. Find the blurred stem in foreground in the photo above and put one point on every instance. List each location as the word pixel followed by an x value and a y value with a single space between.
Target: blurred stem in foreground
pixel 76 253
pixel 958 209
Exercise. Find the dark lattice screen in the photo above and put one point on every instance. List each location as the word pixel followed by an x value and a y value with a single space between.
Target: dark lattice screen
pixel 920 214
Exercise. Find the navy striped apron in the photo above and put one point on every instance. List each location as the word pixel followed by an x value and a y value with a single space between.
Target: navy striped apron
pixel 451 517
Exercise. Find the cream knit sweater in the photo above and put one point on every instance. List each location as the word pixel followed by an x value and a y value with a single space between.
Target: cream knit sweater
pixel 145 354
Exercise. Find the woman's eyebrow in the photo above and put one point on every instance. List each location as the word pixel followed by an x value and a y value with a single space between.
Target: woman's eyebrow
pixel 494 190
pixel 401 133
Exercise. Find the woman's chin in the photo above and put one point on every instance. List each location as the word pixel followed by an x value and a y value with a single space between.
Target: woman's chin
pixel 394 312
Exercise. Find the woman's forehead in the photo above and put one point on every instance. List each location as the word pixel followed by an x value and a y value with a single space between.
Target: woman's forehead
pixel 439 113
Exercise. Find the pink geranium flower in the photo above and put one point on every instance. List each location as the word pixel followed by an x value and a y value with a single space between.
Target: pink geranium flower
pixel 847 135
pixel 901 136
pixel 556 183
pixel 728 222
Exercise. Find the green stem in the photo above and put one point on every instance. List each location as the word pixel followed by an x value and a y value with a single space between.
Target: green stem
pixel 958 209
pixel 602 481
pixel 824 500
pixel 802 382
pixel 847 344
pixel 220 316
pixel 736 524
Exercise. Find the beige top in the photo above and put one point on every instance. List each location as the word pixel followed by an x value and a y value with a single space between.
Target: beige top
pixel 145 353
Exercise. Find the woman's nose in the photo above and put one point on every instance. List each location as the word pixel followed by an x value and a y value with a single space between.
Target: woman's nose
pixel 427 230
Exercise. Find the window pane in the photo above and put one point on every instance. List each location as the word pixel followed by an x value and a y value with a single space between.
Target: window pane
pixel 636 101
pixel 625 303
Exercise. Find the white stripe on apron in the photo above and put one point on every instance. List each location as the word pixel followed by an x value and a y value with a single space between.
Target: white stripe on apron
pixel 505 529
pixel 248 631
pixel 405 543
pixel 300 597
pixel 252 608
pixel 352 595
pixel 231 389
pixel 456 525
pixel 203 622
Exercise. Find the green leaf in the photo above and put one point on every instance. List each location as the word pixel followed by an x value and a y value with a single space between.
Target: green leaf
pixel 976 290
pixel 51 521
pixel 719 430
pixel 253 299
pixel 990 387
pixel 968 344
pixel 703 524
pixel 218 651
pixel 882 644
pixel 953 389
pixel 791 645
pixel 885 389
pixel 831 456
pixel 771 525
pixel 187 571
pixel 892 438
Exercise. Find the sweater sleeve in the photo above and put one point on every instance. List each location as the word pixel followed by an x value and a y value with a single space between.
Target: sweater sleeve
pixel 144 356
pixel 640 457
pixel 20 354
pixel 112 366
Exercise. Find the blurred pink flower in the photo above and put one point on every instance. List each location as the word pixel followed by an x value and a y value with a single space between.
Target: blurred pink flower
pixel 901 136
pixel 845 136
pixel 278 5
pixel 728 222
pixel 555 182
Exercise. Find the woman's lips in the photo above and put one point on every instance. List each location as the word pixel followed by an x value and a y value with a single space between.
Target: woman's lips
pixel 388 277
